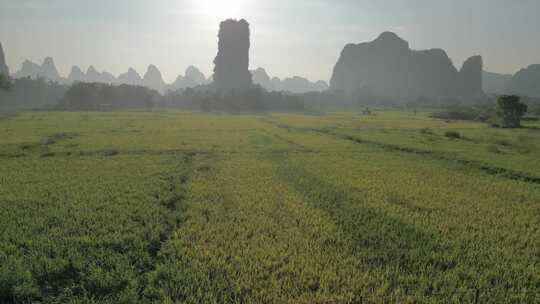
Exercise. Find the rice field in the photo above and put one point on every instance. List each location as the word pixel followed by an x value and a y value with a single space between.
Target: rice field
pixel 177 207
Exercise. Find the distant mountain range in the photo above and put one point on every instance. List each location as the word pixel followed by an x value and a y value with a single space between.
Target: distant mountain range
pixel 46 70
pixel 494 83
pixel 294 84
pixel 152 78
pixel 525 82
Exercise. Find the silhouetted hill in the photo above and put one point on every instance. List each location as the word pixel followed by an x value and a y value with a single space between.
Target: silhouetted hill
pixel 178 85
pixel 46 70
pixel 76 75
pixel 470 78
pixel 231 72
pixel 49 72
pixel 131 77
pixel 388 68
pixel 28 69
pixel 107 77
pixel 276 83
pixel 261 77
pixel 153 79
pixel 494 83
pixel 4 69
pixel 526 82
pixel 93 76
pixel 320 86
pixel 193 78
pixel 294 84
pixel 300 85
pixel 195 75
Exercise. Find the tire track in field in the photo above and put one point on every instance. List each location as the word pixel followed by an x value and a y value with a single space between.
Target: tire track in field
pixel 406 259
pixel 385 245
pixel 250 238
pixel 175 200
pixel 491 170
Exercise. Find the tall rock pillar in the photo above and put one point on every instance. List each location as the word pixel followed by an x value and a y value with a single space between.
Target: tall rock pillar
pixel 470 77
pixel 4 70
pixel 231 71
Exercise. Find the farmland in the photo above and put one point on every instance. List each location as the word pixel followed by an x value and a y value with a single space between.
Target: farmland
pixel 177 207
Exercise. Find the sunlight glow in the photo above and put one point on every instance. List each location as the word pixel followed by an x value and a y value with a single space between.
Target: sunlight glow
pixel 222 8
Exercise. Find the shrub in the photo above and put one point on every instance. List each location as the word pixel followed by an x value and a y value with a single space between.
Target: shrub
pixel 5 84
pixel 109 152
pixel 504 142
pixel 48 141
pixel 452 135
pixel 457 113
pixel 494 149
pixel 426 131
pixel 47 154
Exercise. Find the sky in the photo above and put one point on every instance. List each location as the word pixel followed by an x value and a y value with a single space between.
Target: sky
pixel 288 37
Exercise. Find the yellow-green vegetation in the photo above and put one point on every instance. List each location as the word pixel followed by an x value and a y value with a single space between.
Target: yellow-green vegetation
pixel 175 207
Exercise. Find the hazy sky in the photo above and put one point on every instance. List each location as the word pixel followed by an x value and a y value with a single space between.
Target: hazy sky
pixel 289 37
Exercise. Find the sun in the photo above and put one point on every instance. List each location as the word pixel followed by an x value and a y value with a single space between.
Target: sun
pixel 222 8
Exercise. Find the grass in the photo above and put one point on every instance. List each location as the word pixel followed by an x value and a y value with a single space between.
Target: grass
pixel 176 207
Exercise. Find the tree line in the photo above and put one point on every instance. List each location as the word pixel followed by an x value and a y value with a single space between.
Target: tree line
pixel 84 96
pixel 26 93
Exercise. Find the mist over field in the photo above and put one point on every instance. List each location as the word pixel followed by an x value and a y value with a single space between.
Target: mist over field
pixel 237 151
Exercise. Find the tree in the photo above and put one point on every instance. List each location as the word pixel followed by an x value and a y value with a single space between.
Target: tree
pixel 536 110
pixel 163 102
pixel 5 84
pixel 367 112
pixel 149 102
pixel 206 105
pixel 510 110
pixel 82 96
